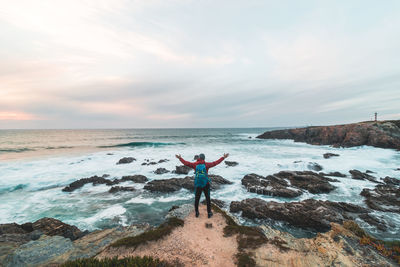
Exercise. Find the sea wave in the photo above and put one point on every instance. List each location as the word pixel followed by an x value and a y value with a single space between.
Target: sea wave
pixel 13 188
pixel 141 144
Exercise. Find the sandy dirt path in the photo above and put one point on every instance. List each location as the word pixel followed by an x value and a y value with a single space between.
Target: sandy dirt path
pixel 193 244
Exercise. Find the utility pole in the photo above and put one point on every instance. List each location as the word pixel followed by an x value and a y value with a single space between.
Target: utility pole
pixel 376 116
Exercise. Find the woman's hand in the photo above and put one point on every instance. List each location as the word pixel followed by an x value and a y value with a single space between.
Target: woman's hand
pixel 226 155
pixel 178 156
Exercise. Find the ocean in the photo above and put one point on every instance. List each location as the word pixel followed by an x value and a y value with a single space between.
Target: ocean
pixel 35 165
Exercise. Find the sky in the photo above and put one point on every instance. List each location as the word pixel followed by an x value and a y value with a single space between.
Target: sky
pixel 155 64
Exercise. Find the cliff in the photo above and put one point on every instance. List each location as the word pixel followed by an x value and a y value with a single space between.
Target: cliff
pixel 383 134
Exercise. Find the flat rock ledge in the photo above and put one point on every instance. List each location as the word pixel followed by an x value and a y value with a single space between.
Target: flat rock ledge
pixel 383 198
pixel 308 214
pixel 288 184
pixel 383 134
pixel 175 184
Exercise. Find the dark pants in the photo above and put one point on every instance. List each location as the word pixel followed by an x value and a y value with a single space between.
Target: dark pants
pixel 206 191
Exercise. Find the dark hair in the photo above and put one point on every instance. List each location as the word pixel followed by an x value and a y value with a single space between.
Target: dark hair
pixel 201 156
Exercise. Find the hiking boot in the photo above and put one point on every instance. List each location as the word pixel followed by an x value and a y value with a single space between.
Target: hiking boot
pixel 197 214
pixel 210 214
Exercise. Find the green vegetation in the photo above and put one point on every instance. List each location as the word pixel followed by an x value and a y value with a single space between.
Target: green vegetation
pixel 152 235
pixel 115 262
pixel 389 249
pixel 248 238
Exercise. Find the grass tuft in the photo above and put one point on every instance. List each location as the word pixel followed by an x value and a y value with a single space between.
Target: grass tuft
pixel 151 235
pixel 115 262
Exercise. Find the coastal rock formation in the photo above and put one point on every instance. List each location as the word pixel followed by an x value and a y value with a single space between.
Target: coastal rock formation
pixel 391 181
pixel 329 155
pixel 175 184
pixel 384 134
pixel 116 189
pixel 356 174
pixel 161 171
pixel 314 166
pixel 95 180
pixel 278 183
pixel 126 160
pixel 383 198
pixel 335 174
pixel 182 170
pixel 308 214
pixel 231 163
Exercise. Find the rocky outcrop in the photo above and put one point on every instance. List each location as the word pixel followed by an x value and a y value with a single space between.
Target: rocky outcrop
pixel 182 170
pixel 116 189
pixel 335 174
pixel 391 181
pixel 126 160
pixel 308 214
pixel 288 183
pixel 175 184
pixel 356 174
pixel 231 163
pixel 384 134
pixel 383 198
pixel 329 155
pixel 314 166
pixel 161 171
pixel 95 180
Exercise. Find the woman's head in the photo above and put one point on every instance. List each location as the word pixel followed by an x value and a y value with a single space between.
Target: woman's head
pixel 202 156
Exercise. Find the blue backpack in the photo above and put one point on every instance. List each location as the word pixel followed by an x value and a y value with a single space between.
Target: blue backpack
pixel 201 177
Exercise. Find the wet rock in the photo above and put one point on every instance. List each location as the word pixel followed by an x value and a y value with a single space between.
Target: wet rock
pixel 368 171
pixel 383 198
pixel 307 180
pixel 175 184
pixel 116 189
pixel 371 220
pixel 95 180
pixel 181 212
pixel 329 155
pixel 391 181
pixel 270 185
pixel 182 169
pixel 161 171
pixel 356 174
pixel 231 163
pixel 335 174
pixel 134 178
pixel 126 160
pixel 308 214
pixel 52 227
pixel 384 134
pixel 314 166
pixel 163 160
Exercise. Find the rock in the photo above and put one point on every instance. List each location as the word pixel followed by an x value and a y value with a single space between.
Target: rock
pixel 329 155
pixel 217 202
pixel 335 174
pixel 391 181
pixel 384 134
pixel 161 171
pixel 35 235
pixel 95 180
pixel 116 189
pixel 383 198
pixel 134 178
pixel 126 160
pixel 231 163
pixel 182 169
pixel 368 171
pixel 181 212
pixel 209 225
pixel 109 154
pixel 308 180
pixel 308 214
pixel 356 174
pixel 314 166
pixel 52 227
pixel 163 160
pixel 270 185
pixel 379 224
pixel 175 184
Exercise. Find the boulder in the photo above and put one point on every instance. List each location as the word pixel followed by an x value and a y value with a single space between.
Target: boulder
pixel 134 178
pixel 182 170
pixel 231 163
pixel 383 198
pixel 161 171
pixel 384 134
pixel 335 174
pixel 116 189
pixel 329 155
pixel 52 227
pixel 307 180
pixel 391 181
pixel 126 160
pixel 175 184
pixel 308 214
pixel 163 160
pixel 356 174
pixel 314 166
pixel 95 180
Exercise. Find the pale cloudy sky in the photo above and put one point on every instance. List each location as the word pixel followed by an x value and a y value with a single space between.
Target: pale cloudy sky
pixel 130 64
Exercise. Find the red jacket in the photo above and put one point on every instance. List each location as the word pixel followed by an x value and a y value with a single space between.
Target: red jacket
pixel 200 161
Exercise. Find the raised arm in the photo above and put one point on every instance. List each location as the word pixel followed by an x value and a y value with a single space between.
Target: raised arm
pixel 215 163
pixel 184 162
